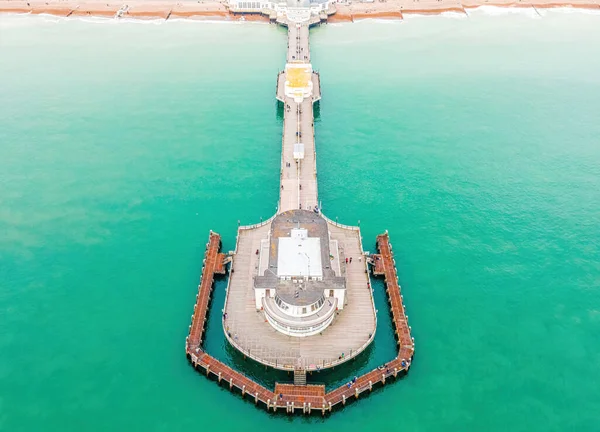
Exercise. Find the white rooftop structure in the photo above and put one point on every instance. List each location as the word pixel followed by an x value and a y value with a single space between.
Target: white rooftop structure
pixel 299 255
pixel 299 151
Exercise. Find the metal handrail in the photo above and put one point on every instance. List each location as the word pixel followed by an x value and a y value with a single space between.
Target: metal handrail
pixel 337 224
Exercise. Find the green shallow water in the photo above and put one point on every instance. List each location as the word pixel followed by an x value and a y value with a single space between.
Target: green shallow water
pixel 473 141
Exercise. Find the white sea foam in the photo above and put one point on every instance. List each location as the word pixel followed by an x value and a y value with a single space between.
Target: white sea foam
pixel 51 18
pixel 454 15
pixel 379 21
pixel 94 20
pixel 570 10
pixel 446 14
pixel 412 16
pixel 23 19
pixel 209 21
pixel 501 10
pixel 387 21
pixel 154 21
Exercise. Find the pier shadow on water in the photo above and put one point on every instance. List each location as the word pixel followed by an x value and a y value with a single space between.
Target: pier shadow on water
pixel 279 111
pixel 317 111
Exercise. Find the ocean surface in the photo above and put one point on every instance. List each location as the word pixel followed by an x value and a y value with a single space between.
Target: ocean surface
pixel 474 141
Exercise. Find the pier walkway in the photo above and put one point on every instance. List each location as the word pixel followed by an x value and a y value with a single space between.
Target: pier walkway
pixel 211 266
pixel 405 341
pixel 354 325
pixel 298 88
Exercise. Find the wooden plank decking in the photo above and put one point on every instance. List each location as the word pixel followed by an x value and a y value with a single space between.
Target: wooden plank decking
pixel 211 263
pixel 405 340
pixel 291 397
pixel 377 265
pixel 350 333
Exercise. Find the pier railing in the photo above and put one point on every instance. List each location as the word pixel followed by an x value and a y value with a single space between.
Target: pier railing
pixel 257 225
pixel 294 397
pixel 339 225
pixel 252 347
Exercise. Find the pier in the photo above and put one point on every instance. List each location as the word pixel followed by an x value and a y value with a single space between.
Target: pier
pixel 299 297
pixel 349 313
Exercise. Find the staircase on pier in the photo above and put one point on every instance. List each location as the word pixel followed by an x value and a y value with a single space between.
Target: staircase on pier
pixel 300 377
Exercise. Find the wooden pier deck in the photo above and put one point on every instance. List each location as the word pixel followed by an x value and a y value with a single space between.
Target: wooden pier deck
pixel 350 333
pixel 213 260
pixel 405 341
pixel 377 265
pixel 295 398
pixel 298 179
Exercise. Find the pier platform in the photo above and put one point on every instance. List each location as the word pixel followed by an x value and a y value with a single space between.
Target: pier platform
pixel 300 398
pixel 377 265
pixel 350 333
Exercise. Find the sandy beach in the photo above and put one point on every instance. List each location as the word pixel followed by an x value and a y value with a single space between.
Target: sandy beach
pixel 218 10
pixel 396 9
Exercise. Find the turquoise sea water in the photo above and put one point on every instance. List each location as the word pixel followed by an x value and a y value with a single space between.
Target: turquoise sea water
pixel 475 142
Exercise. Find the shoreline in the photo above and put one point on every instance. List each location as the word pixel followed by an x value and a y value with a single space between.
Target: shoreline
pixel 216 10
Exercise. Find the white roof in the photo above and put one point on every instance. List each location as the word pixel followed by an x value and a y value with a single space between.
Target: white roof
pixel 299 255
pixel 299 151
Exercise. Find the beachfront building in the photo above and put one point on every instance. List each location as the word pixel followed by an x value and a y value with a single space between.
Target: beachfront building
pixel 299 285
pixel 278 8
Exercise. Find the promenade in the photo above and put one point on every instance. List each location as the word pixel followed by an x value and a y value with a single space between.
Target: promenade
pixel 228 11
pixel 298 176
